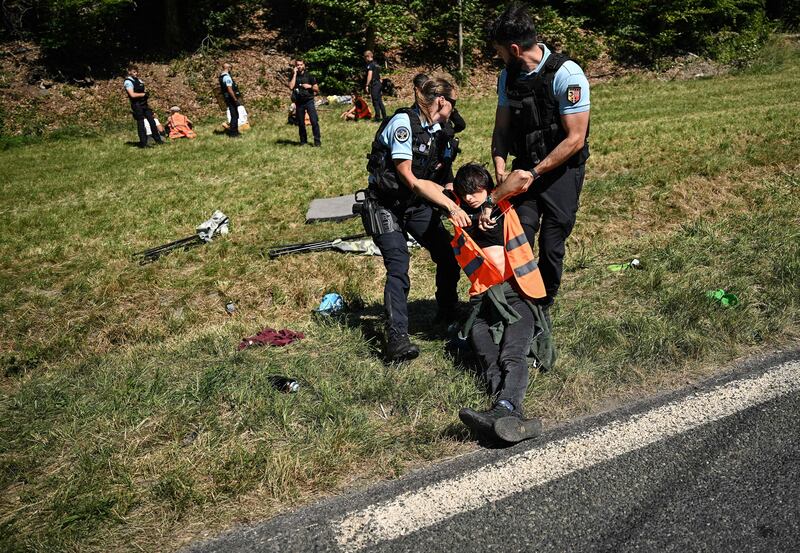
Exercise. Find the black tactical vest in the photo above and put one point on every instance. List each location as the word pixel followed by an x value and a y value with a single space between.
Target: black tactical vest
pixel 138 87
pixel 536 127
pixel 427 162
pixel 224 88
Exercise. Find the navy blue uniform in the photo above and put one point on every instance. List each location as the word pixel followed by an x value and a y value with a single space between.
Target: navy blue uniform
pixel 303 99
pixel 375 90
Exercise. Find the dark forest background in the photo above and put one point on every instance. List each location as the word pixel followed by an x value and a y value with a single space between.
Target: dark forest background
pixel 98 37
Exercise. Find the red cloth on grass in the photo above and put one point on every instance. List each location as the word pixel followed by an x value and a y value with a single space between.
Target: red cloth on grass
pixel 272 337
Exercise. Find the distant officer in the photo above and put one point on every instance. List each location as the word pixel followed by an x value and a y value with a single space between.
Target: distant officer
pixel 230 92
pixel 372 85
pixel 542 120
pixel 408 174
pixel 134 87
pixel 304 87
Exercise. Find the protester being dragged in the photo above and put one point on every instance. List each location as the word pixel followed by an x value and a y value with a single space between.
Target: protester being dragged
pixel 304 87
pixel 408 174
pixel 373 85
pixel 505 280
pixel 230 92
pixel 178 125
pixel 359 111
pixel 140 110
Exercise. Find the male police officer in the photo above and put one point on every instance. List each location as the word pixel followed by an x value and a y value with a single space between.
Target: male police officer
pixel 231 94
pixel 134 87
pixel 372 85
pixel 304 87
pixel 407 174
pixel 542 119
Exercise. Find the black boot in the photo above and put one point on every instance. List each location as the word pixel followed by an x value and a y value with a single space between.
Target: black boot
pixel 399 348
pixel 516 428
pixel 482 422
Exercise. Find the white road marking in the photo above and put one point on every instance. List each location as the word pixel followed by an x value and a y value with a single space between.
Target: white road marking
pixel 418 509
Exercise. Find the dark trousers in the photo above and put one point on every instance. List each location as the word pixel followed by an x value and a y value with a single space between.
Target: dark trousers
pixel 377 101
pixel 549 208
pixel 308 106
pixel 505 365
pixel 424 224
pixel 140 114
pixel 233 111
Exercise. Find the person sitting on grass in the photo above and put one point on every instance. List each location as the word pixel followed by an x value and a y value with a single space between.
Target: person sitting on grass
pixel 505 278
pixel 359 111
pixel 178 125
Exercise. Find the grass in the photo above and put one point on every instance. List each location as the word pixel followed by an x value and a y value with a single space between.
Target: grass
pixel 130 421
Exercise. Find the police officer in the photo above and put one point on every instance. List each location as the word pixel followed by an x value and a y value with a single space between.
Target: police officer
pixel 372 85
pixel 134 87
pixel 456 123
pixel 542 119
pixel 407 177
pixel 230 92
pixel 304 87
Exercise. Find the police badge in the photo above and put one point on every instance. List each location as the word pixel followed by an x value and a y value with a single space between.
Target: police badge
pixel 574 93
pixel 401 134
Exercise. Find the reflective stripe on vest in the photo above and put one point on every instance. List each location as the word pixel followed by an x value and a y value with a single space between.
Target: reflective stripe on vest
pixel 520 263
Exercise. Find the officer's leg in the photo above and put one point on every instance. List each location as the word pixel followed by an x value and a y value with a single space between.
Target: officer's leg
pixel 233 110
pixel 148 113
pixel 424 224
pixel 380 102
pixel 559 205
pixel 377 103
pixel 140 129
pixel 527 209
pixel 513 353
pixel 301 122
pixel 312 115
pixel 395 292
pixel 488 354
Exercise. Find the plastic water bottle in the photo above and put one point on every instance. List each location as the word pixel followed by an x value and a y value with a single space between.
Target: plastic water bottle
pixel 284 384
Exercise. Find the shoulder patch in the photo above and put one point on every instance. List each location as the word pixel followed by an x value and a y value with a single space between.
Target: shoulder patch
pixel 401 134
pixel 574 93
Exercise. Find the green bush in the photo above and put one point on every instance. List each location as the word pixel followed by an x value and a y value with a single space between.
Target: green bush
pixel 334 64
pixel 568 35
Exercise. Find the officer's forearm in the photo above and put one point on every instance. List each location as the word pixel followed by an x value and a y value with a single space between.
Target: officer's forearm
pixel 432 192
pixel 560 154
pixel 292 80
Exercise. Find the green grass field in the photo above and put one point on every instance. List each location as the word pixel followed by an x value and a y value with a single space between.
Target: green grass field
pixel 128 420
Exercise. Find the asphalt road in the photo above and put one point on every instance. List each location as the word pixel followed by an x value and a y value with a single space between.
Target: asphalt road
pixel 714 467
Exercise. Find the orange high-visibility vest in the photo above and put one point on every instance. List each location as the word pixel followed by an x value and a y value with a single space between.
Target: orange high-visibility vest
pixel 362 109
pixel 520 263
pixel 179 126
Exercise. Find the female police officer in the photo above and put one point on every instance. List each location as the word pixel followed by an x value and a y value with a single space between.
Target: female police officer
pixel 408 171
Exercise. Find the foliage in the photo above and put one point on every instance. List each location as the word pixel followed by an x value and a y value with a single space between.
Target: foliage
pixel 333 64
pixel 567 34
pixel 643 31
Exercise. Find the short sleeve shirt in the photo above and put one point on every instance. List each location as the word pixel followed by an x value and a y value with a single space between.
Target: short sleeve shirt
pixel 226 79
pixel 128 83
pixel 397 135
pixel 569 82
pixel 376 72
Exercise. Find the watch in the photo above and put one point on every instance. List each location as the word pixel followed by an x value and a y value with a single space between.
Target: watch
pixel 489 202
